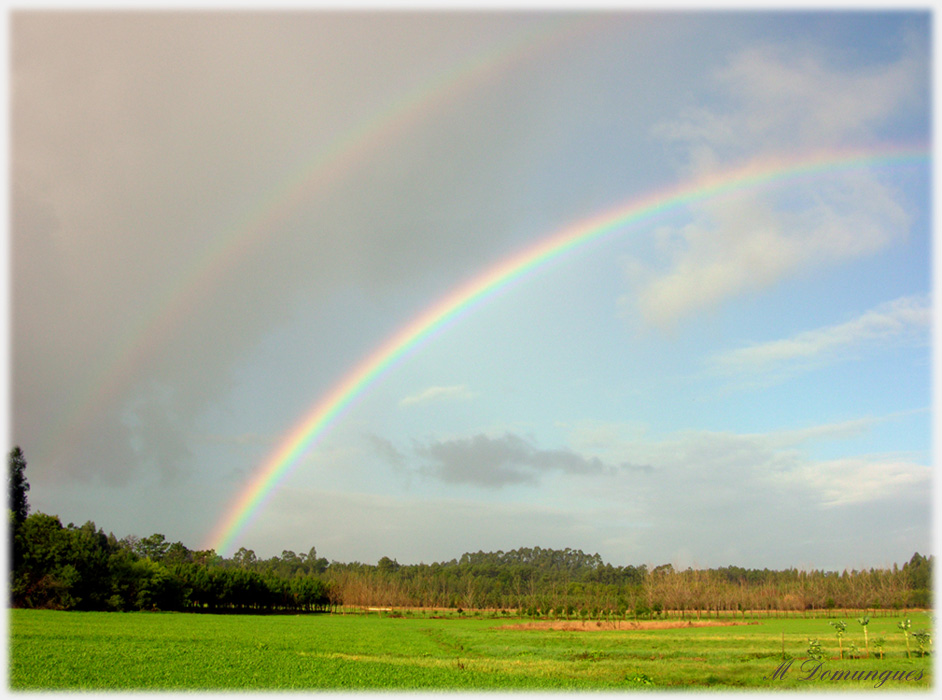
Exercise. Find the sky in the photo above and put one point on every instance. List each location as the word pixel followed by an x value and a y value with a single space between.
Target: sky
pixel 215 217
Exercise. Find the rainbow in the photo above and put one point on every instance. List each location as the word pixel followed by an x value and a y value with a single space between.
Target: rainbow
pixel 328 408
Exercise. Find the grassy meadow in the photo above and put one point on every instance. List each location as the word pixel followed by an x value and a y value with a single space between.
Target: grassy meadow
pixel 52 650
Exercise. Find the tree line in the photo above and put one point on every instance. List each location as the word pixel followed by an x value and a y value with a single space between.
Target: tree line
pixel 566 583
pixel 81 568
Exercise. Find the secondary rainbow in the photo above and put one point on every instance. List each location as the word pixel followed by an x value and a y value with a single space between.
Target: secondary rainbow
pixel 331 405
pixel 202 272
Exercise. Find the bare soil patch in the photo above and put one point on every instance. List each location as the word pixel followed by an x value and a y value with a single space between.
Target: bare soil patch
pixel 594 626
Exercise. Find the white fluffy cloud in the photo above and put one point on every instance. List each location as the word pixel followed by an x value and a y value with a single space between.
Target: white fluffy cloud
pixel 781 97
pixel 771 102
pixel 856 480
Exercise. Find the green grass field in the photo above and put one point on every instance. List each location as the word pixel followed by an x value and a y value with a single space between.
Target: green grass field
pixel 173 651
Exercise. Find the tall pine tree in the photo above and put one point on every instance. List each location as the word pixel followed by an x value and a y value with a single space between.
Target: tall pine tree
pixel 18 486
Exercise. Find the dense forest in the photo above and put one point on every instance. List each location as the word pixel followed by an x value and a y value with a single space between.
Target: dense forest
pixel 81 568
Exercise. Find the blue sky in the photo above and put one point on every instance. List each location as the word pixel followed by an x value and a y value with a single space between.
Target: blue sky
pixel 745 380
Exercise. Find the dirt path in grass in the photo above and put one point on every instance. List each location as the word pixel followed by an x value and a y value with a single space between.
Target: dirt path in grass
pixel 595 626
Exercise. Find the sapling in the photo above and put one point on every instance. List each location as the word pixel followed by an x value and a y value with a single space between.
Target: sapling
pixel 841 627
pixel 864 621
pixel 879 643
pixel 904 628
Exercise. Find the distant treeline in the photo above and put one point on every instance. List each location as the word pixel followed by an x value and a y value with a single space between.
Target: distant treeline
pixel 81 568
pixel 548 582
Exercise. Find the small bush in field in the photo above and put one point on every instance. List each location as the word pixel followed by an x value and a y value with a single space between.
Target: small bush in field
pixel 815 651
pixel 924 640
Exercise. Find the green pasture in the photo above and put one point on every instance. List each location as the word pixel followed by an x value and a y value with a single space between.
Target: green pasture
pixel 51 650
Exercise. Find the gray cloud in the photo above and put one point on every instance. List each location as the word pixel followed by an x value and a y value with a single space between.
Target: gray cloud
pixel 496 462
pixel 386 450
pixel 183 183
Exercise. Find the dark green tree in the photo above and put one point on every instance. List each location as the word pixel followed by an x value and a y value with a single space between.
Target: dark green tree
pixel 245 558
pixel 387 565
pixel 18 486
pixel 176 553
pixel 87 551
pixel 44 575
pixel 153 547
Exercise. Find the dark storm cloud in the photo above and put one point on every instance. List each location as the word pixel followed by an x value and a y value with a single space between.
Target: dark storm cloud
pixel 155 233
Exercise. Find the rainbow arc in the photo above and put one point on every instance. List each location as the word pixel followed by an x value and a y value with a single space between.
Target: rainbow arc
pixel 327 410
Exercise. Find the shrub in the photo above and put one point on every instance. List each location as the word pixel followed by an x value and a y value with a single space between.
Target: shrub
pixel 924 640
pixel 638 679
pixel 815 651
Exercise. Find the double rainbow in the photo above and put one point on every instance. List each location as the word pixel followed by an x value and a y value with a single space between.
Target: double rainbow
pixel 328 408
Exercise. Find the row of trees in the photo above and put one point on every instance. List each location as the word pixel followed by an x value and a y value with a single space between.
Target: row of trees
pixel 82 568
pixel 573 581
